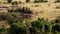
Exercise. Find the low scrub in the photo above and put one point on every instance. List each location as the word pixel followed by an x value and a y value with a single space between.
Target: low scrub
pixel 39 26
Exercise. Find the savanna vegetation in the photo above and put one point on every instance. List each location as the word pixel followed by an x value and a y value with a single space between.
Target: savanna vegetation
pixel 15 18
pixel 40 26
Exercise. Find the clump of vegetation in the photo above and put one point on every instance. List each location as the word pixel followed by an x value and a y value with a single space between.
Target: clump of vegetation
pixel 39 26
pixel 15 3
pixel 3 30
pixel 27 1
pixel 7 17
pixel 13 16
pixel 3 16
pixel 10 10
pixel 57 1
pixel 36 5
pixel 56 29
pixel 40 1
pixel 9 1
pixel 24 12
pixel 57 20
pixel 17 29
pixel 20 2
pixel 58 7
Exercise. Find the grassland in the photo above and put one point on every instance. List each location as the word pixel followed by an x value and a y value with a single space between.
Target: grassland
pixel 48 9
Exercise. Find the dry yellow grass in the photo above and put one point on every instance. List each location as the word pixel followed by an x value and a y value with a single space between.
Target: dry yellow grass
pixel 48 9
pixel 4 24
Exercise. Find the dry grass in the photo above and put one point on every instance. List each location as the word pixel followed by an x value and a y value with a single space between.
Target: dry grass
pixel 48 9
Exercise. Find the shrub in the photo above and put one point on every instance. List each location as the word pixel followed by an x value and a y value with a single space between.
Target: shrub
pixel 36 1
pixel 39 25
pixel 57 1
pixel 15 3
pixel 9 1
pixel 20 2
pixel 48 27
pixel 56 28
pixel 27 1
pixel 33 30
pixel 3 31
pixel 17 29
pixel 3 16
pixel 58 7
pixel 25 12
pixel 57 20
pixel 7 17
pixel 10 20
pixel 10 10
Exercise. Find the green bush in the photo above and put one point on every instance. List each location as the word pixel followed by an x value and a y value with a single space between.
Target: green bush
pixel 39 25
pixel 33 30
pixel 17 29
pixel 56 28
pixel 48 28
pixel 3 31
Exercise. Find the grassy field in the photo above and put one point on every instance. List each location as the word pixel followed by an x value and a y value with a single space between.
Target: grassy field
pixel 47 10
pixel 40 10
